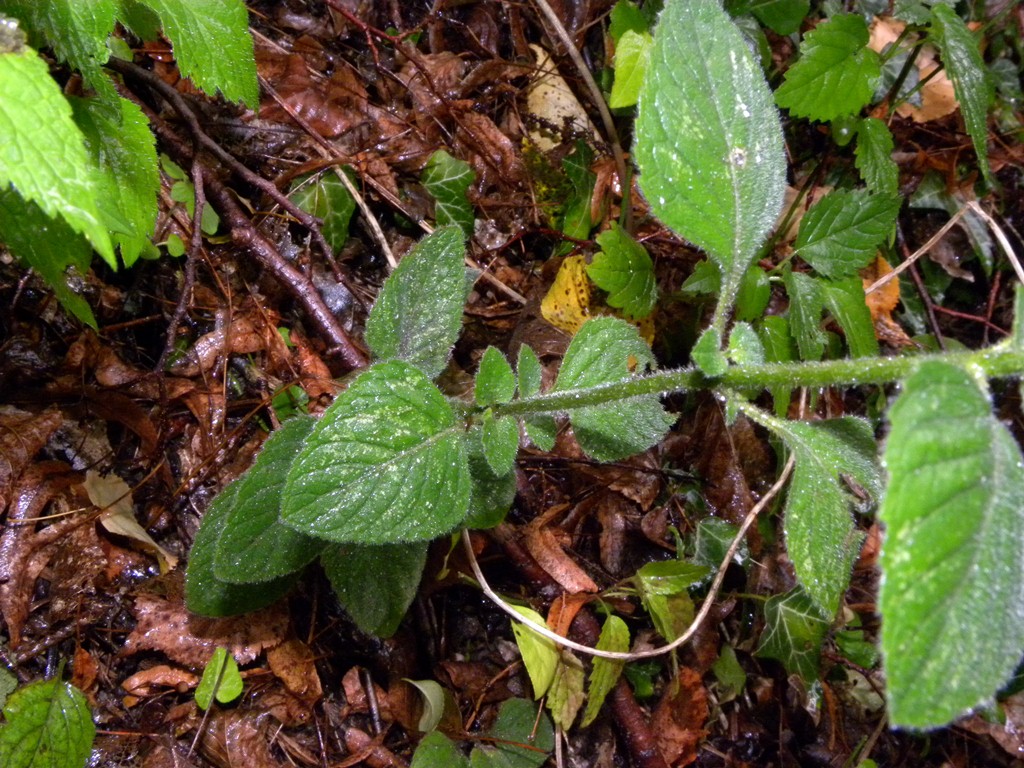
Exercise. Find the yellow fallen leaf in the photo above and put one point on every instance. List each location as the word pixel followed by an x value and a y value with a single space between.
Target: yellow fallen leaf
pixel 567 303
pixel 551 101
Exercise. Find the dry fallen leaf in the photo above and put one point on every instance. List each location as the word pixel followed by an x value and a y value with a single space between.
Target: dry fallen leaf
pixel 567 303
pixel 678 721
pixel 937 96
pixel 550 99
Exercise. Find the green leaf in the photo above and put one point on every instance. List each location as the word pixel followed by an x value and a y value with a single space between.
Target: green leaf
pixel 714 537
pixel 604 351
pixel 61 257
pixel 48 725
pixel 43 152
pixel 821 538
pixel 207 595
pixel 386 463
pixel 754 292
pixel 375 584
pixel 220 680
pixel 605 674
pixel 971 82
pixel 952 595
pixel 438 751
pixel 806 300
pixel 520 738
pixel 793 633
pixel 565 696
pixel 729 674
pixel 118 137
pixel 8 684
pixel 142 21
pixel 632 52
pixel 624 269
pixel 745 346
pixel 540 428
pixel 254 545
pixel 418 314
pixel 625 16
pixel 500 437
pixel 664 591
pixel 707 353
pixel 212 45
pixel 491 495
pixel 874 157
pixel 845 300
pixel 841 233
pixel 433 703
pixel 540 655
pixel 576 221
pixel 836 73
pixel 448 179
pixel 782 16
pixel 495 382
pixel 327 198
pixel 709 144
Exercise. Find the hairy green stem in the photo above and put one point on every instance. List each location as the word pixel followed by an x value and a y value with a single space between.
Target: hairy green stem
pixel 992 362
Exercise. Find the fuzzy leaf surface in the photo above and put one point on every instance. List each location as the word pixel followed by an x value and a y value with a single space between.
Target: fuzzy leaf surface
pixel 952 600
pixel 491 494
pixel 709 143
pixel 385 464
pixel 836 73
pixel 500 438
pixel 418 313
pixel 448 179
pixel 255 546
pixel 971 81
pixel 43 152
pixel 604 351
pixel 47 725
pixel 841 233
pixel 375 584
pixel 874 157
pixel 212 45
pixel 624 269
pixel 806 300
pixel 495 382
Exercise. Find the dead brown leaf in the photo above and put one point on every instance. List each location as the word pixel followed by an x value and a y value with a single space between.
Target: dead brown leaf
pixel 156 680
pixel 294 665
pixel 678 721
pixel 22 436
pixel 545 548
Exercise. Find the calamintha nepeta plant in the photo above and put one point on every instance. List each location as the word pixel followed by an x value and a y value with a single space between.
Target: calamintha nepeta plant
pixel 394 463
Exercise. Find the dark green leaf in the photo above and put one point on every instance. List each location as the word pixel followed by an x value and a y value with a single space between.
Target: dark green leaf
pixel 438 751
pixel 500 437
pixel 805 304
pixel 714 536
pixel 793 633
pixel 607 350
pixel 836 73
pixel 753 295
pixel 418 314
pixel 952 595
pixel 48 725
pixel 375 584
pixel 326 197
pixel 971 82
pixel 841 233
pixel 709 144
pixel 491 495
pixel 874 157
pixel 254 545
pixel 845 300
pixel 576 221
pixel 520 738
pixel 495 382
pixel 729 674
pixel 624 269
pixel 626 16
pixel 386 463
pixel 448 179
pixel 782 16
pixel 220 680
pixel 707 353
pixel 745 345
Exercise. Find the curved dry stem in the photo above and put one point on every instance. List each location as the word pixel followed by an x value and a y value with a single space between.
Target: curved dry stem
pixel 716 585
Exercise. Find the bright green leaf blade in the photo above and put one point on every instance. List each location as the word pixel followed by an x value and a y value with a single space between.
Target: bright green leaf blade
pixel 518 724
pixel 448 179
pixel 542 430
pixel 632 52
pixel 491 495
pixel 841 233
pixel 48 725
pixel 212 45
pixel 604 351
pixel 207 595
pixel 971 81
pixel 43 152
pixel 540 656
pixel 624 269
pixel 495 382
pixel 845 300
pixel 418 314
pixel 605 673
pixel 385 464
pixel 327 198
pixel 118 137
pixel 220 680
pixel 874 157
pixel 952 592
pixel 500 437
pixel 707 353
pixel 793 633
pixel 254 545
pixel 375 584
pixel 806 300
pixel 821 538
pixel 61 256
pixel 836 73
pixel 782 16
pixel 438 751
pixel 528 370
pixel 565 696
pixel 669 577
pixel 709 144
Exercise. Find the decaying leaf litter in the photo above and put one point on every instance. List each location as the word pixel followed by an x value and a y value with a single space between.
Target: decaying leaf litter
pixel 90 430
